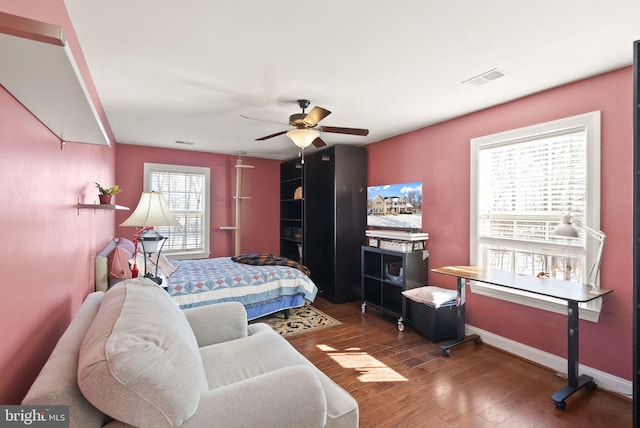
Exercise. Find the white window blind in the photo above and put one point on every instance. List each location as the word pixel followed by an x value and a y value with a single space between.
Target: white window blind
pixel 186 191
pixel 522 183
pixel 524 187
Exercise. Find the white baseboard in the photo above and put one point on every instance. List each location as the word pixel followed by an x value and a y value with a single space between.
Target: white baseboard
pixel 604 380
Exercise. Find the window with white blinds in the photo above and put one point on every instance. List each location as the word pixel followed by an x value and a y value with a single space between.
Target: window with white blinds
pixel 186 190
pixel 523 182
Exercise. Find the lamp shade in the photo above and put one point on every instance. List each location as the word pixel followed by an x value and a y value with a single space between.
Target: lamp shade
pixel 302 137
pixel 566 228
pixel 152 210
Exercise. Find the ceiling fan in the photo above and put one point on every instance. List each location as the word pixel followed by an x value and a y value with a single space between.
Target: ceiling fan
pixel 306 124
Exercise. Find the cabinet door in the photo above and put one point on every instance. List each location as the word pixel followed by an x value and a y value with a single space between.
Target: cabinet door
pixel 319 219
pixel 350 217
pixel 417 270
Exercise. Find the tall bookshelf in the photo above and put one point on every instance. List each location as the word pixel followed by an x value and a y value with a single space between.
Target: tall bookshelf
pixel 291 210
pixel 324 227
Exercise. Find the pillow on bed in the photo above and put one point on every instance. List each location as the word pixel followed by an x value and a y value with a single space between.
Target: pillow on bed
pixel 164 265
pixel 119 259
pixel 127 245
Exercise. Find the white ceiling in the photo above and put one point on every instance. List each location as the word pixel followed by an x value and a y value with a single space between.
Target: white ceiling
pixel 167 70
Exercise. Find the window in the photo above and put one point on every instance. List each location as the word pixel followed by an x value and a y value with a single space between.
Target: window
pixel 522 184
pixel 186 190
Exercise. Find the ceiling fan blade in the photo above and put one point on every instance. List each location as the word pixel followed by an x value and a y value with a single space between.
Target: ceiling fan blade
pixel 339 130
pixel 316 115
pixel 271 136
pixel 318 142
pixel 263 120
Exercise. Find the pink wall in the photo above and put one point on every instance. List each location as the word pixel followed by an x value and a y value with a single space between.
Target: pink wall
pixel 47 256
pixel 439 157
pixel 260 214
pixel 48 247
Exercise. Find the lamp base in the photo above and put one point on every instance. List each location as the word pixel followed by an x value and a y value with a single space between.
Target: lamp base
pixel 156 279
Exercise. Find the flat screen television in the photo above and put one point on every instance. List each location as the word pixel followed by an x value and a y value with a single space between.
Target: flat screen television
pixel 395 206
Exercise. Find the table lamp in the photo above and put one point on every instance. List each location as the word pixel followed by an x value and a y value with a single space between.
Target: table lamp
pixel 152 210
pixel 567 229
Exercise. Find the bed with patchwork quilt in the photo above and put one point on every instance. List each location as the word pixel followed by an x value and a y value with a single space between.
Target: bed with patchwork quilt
pixel 262 289
pixel 263 283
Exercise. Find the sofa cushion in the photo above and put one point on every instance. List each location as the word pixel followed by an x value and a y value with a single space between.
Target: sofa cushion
pixel 139 362
pixel 234 361
pixel 57 382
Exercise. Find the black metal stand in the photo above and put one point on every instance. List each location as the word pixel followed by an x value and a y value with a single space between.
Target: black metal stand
pixel 149 275
pixel 155 278
pixel 460 323
pixel 572 293
pixel 575 382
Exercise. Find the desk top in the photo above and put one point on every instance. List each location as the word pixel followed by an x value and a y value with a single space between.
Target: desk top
pixel 558 288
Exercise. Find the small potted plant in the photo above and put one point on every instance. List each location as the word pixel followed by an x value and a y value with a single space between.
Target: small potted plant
pixel 106 193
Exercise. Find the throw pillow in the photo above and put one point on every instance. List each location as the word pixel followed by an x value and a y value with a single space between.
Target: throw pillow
pixel 119 259
pixel 430 295
pixel 139 362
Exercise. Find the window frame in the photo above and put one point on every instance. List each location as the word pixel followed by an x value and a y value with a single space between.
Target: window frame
pixel 187 169
pixel 590 122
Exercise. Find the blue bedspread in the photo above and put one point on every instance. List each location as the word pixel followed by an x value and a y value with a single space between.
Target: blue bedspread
pixel 206 281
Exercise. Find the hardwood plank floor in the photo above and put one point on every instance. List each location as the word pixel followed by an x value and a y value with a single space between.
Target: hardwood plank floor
pixel 402 379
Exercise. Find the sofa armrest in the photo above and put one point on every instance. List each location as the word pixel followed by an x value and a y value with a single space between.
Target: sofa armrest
pixel 217 323
pixel 291 396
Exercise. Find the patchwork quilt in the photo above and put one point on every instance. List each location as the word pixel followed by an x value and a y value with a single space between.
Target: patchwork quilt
pixel 207 281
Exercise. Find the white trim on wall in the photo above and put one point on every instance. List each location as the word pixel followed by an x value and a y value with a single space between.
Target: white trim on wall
pixel 604 380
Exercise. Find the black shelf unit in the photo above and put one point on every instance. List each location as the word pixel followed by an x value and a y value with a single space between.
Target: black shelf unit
pixel 291 211
pixel 328 224
pixel 636 233
pixel 386 274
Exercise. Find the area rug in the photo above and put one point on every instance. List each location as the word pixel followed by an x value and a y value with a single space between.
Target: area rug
pixel 301 320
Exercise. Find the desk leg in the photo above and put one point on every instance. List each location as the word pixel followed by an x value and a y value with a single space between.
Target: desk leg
pixel 460 323
pixel 575 382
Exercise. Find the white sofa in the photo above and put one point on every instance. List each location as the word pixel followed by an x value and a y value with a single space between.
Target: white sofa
pixel 131 357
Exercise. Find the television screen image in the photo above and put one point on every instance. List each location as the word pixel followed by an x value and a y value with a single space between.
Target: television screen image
pixel 395 206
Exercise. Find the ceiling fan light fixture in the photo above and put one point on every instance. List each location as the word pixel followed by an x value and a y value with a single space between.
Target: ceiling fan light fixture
pixel 302 137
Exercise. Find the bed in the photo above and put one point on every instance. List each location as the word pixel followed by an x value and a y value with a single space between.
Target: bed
pixel 262 289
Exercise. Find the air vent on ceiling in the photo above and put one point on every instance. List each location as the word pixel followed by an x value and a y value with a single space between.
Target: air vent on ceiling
pixel 485 77
pixel 186 143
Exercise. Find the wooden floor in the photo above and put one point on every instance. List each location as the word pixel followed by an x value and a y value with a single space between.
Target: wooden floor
pixel 400 379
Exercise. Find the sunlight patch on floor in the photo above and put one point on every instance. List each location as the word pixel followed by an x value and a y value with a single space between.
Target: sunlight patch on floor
pixel 369 368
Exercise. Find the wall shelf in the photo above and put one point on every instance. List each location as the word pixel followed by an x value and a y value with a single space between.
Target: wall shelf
pixel 108 207
pixel 39 70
